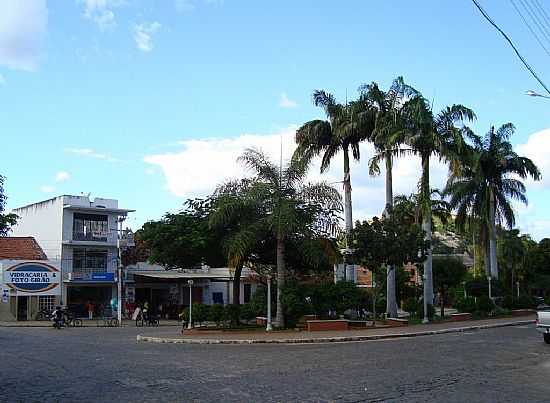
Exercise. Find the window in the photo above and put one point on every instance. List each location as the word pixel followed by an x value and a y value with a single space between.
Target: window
pixel 217 297
pixel 247 292
pixel 46 302
pixel 90 227
pixel 89 260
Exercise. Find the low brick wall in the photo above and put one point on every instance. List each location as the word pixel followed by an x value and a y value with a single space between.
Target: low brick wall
pixel 522 312
pixel 458 317
pixel 397 322
pixel 320 325
pixel 261 321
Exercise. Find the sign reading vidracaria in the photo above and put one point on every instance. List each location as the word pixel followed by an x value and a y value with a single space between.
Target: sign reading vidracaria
pixel 33 278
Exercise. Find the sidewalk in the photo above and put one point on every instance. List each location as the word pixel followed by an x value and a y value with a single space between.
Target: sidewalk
pixel 159 335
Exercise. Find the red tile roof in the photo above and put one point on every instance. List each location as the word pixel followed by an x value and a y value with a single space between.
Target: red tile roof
pixel 21 248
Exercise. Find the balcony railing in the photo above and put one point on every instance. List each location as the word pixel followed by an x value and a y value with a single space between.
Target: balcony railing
pixel 110 237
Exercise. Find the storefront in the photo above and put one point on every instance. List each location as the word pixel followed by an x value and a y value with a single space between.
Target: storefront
pixel 28 287
pixel 93 290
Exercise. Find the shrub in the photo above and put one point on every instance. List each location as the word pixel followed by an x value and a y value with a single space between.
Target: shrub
pixel 231 313
pixel 525 302
pixel 431 311
pixel 247 312
pixel 294 302
pixel 258 302
pixel 485 304
pixel 216 314
pixel 380 305
pixel 467 304
pixel 200 313
pixel 412 306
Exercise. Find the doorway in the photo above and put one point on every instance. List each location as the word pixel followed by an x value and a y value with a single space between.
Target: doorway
pixel 22 307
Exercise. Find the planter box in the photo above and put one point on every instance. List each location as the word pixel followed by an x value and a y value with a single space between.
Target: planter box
pixel 457 317
pixel 394 322
pixel 261 320
pixel 522 312
pixel 320 325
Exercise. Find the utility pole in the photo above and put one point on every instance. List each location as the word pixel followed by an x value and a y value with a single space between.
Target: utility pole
pixel 269 327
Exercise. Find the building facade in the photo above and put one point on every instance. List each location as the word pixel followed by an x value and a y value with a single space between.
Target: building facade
pixel 29 283
pixel 81 236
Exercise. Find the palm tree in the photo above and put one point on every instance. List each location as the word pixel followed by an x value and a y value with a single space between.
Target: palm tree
pixel 288 206
pixel 428 135
pixel 484 187
pixel 347 126
pixel 387 136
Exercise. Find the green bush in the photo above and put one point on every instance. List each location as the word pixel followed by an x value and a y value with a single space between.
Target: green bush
pixel 294 301
pixel 412 306
pixel 380 305
pixel 247 312
pixel 467 304
pixel 485 304
pixel 232 313
pixel 508 302
pixel 431 311
pixel 200 313
pixel 258 302
pixel 216 314
pixel 525 302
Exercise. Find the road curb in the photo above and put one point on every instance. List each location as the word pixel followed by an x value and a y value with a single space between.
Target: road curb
pixel 150 339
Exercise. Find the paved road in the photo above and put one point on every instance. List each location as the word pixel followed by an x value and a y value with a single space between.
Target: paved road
pixel 95 364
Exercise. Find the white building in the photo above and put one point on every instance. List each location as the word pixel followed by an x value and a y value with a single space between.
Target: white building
pixel 82 235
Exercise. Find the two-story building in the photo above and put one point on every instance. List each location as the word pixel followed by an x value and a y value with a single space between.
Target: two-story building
pixel 82 235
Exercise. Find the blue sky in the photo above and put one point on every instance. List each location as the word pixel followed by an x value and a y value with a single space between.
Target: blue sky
pixel 150 102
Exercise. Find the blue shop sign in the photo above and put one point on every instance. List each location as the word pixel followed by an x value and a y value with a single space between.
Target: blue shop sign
pixel 103 276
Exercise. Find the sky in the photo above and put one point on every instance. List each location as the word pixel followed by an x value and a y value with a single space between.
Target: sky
pixel 151 102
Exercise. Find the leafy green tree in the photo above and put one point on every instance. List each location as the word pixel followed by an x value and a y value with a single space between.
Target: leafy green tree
pixel 290 207
pixel 428 135
pixel 511 253
pixel 183 240
pixel 389 242
pixel 347 126
pixel 6 220
pixel 448 273
pixel 486 184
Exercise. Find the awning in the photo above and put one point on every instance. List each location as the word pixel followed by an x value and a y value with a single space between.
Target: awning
pixel 175 275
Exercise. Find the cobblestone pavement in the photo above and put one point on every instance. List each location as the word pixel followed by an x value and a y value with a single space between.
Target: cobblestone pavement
pixel 106 364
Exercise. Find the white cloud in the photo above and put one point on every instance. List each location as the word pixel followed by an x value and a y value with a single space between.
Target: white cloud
pixel 285 102
pixel 23 26
pixel 204 163
pixel 2 80
pixel 62 176
pixel 47 189
pixel 536 148
pixel 88 152
pixel 143 35
pixel 101 12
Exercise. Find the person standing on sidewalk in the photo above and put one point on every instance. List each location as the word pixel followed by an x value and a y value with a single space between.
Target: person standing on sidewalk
pixel 90 309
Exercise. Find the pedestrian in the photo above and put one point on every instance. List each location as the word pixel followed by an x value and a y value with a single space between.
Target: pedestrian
pixel 90 309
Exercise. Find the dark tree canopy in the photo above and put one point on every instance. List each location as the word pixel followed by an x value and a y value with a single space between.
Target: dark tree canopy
pixel 6 220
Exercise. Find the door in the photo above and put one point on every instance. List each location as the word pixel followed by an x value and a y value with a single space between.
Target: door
pixel 22 308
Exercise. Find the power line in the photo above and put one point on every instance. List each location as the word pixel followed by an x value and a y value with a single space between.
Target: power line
pixel 535 18
pixel 486 16
pixel 541 9
pixel 529 27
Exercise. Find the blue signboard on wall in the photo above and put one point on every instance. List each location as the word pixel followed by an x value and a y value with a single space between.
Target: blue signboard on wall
pixel 96 277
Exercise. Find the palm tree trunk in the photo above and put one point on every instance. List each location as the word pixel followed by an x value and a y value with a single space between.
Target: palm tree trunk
pixel 486 259
pixel 347 195
pixel 493 237
pixel 237 292
pixel 391 297
pixel 427 227
pixel 279 318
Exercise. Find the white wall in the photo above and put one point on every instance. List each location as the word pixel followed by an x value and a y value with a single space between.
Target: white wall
pixel 43 221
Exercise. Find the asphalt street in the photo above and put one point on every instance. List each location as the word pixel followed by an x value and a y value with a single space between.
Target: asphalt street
pixel 107 364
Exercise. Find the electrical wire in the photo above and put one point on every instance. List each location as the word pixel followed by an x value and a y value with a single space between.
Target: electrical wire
pixel 533 73
pixel 529 27
pixel 542 11
pixel 535 18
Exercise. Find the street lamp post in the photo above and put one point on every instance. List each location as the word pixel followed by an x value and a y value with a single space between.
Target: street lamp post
pixel 517 288
pixel 425 299
pixel 532 93
pixel 489 280
pixel 464 285
pixel 189 323
pixel 269 327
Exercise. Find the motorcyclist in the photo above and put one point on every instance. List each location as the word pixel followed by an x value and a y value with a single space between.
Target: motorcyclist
pixel 58 317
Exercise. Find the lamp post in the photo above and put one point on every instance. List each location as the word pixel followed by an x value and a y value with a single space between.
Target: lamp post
pixel 189 323
pixel 532 93
pixel 269 327
pixel 489 280
pixel 517 288
pixel 425 300
pixel 464 285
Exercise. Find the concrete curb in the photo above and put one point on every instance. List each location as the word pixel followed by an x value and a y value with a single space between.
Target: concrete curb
pixel 149 339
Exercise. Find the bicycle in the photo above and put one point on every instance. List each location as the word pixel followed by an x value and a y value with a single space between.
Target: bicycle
pixel 43 314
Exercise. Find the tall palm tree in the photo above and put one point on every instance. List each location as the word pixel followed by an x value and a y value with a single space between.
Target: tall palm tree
pixel 289 206
pixel 347 126
pixel 484 187
pixel 387 137
pixel 430 135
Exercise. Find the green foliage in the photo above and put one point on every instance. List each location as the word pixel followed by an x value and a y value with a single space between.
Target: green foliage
pixel 232 313
pixel 525 302
pixel 216 314
pixel 467 305
pixel 6 220
pixel 485 304
pixel 247 312
pixel 184 315
pixel 258 302
pixel 200 313
pixel 508 302
pixel 431 312
pixel 413 307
